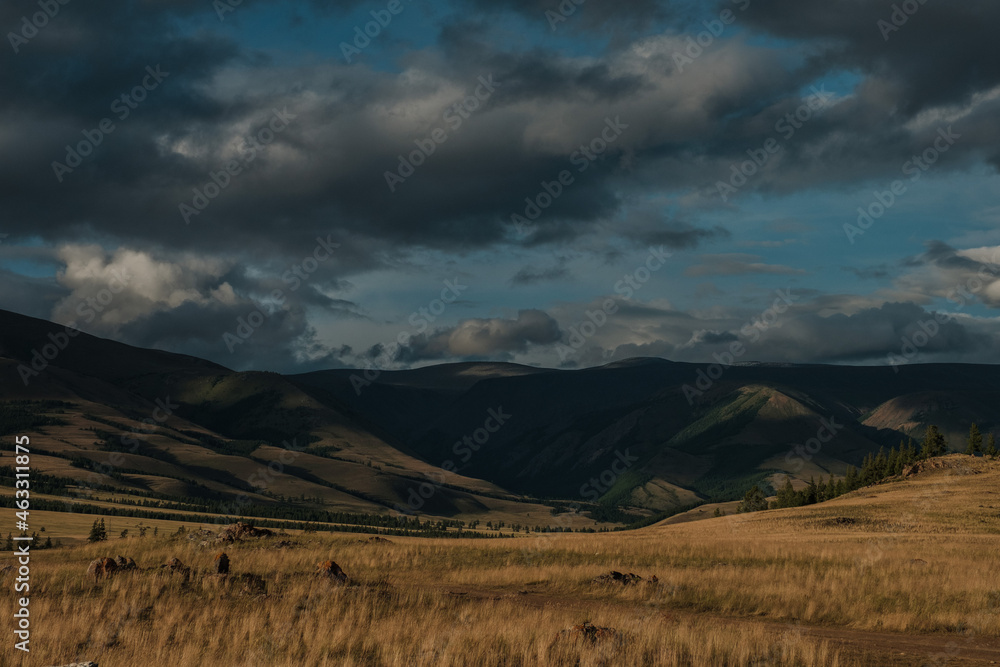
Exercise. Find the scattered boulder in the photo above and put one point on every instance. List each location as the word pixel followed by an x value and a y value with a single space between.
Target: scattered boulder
pixel 221 563
pixel 175 566
pixel 202 536
pixel 126 564
pixel 330 570
pixel 590 633
pixel 241 531
pixel 101 568
pixel 624 579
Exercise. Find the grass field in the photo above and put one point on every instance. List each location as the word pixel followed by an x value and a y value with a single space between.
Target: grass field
pixel 906 573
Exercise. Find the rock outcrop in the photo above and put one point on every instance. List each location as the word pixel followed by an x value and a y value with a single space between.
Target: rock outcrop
pixel 175 567
pixel 330 570
pixel 221 563
pixel 241 531
pixel 101 568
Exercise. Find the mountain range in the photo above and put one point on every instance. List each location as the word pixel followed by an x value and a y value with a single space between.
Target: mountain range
pixel 623 442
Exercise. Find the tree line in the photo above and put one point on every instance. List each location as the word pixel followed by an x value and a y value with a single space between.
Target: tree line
pixel 874 469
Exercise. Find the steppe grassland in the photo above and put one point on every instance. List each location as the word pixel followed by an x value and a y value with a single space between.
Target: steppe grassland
pixel 915 555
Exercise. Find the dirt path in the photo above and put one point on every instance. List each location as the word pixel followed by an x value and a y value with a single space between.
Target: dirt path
pixel 866 646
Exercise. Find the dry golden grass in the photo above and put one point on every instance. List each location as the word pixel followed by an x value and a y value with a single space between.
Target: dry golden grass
pixel 743 590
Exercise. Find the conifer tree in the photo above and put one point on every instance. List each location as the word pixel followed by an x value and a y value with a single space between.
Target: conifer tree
pixel 786 494
pixel 851 479
pixel 975 441
pixel 934 443
pixel 753 501
pixel 991 446
pixel 98 533
pixel 880 465
pixel 812 493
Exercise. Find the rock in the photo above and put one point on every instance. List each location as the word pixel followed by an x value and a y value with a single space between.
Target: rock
pixel 594 634
pixel 175 566
pixel 80 664
pixel 626 579
pixel 101 568
pixel 126 564
pixel 376 540
pixel 331 570
pixel 221 563
pixel 241 531
pixel 202 536
pixel 919 561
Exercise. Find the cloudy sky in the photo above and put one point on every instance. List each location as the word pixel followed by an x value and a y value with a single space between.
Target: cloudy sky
pixel 292 186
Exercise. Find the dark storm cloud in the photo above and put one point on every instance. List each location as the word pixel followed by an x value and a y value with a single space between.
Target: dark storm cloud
pixel 941 53
pixel 326 170
pixel 321 178
pixel 225 333
pixel 867 336
pixel 804 335
pixel 567 15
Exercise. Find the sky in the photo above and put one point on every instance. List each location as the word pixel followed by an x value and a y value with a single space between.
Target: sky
pixel 293 186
